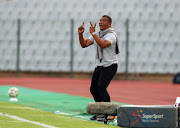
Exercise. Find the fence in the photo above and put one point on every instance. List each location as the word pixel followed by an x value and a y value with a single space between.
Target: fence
pixel 51 45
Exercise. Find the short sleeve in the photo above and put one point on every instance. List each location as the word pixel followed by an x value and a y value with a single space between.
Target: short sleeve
pixel 110 37
pixel 91 38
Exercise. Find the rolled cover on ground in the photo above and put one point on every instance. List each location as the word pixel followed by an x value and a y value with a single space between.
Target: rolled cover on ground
pixel 102 108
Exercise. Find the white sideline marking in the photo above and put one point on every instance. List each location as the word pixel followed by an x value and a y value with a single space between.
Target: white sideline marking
pixel 82 117
pixel 67 114
pixel 24 120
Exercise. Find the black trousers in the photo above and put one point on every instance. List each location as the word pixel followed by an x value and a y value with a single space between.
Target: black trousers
pixel 101 78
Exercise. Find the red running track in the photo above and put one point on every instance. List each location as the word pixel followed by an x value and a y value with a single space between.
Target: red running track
pixel 130 92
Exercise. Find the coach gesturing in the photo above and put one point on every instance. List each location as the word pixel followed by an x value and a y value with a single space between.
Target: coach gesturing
pixel 106 62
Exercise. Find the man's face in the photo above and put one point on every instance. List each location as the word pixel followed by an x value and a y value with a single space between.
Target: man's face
pixel 104 24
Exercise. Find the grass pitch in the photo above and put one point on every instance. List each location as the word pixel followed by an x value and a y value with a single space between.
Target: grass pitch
pixel 47 118
pixel 35 107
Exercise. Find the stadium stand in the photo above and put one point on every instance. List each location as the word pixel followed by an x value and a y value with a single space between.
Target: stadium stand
pixel 154 42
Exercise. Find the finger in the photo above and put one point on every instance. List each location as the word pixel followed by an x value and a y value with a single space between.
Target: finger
pixel 82 26
pixel 91 24
pixel 95 25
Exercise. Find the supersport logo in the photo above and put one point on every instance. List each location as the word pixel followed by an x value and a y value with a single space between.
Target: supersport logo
pixel 135 114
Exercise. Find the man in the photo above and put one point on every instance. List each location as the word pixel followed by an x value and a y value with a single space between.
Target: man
pixel 106 46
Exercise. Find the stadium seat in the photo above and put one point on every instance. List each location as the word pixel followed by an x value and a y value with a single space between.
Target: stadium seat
pixel 45 33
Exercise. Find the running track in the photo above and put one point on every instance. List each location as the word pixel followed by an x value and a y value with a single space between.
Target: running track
pixel 130 92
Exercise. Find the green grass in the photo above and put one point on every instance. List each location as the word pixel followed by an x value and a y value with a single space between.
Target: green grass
pixel 39 106
pixel 28 113
pixel 74 106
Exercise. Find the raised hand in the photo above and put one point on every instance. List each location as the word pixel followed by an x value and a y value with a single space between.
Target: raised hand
pixel 92 28
pixel 81 29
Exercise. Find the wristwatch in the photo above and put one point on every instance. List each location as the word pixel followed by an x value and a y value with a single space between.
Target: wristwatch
pixel 93 33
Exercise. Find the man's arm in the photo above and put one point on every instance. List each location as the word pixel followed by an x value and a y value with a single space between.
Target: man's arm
pixel 99 41
pixel 84 43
